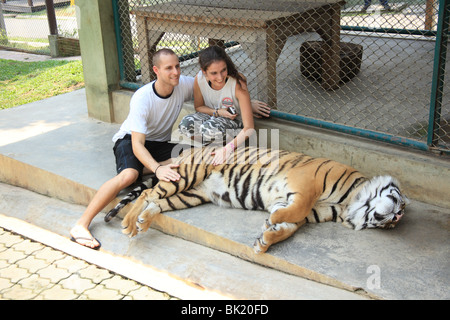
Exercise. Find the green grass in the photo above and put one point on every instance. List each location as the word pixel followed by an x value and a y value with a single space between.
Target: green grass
pixel 25 82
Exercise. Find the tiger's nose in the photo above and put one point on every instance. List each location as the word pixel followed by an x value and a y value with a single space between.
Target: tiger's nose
pixel 398 216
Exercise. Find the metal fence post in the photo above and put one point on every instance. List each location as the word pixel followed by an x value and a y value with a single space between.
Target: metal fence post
pixel 438 74
pixel 124 38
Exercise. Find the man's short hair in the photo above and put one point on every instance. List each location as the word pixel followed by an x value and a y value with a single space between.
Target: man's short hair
pixel 157 55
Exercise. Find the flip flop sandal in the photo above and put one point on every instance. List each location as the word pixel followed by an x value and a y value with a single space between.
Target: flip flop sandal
pixel 87 239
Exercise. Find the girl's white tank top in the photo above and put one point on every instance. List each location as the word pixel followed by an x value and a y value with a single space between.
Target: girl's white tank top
pixel 223 98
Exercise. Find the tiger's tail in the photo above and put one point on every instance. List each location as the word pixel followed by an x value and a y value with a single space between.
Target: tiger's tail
pixel 133 194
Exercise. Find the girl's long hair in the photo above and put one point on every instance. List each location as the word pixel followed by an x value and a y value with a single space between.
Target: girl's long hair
pixel 214 54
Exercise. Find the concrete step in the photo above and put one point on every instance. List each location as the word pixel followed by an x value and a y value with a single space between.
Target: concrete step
pixel 411 260
pixel 170 264
pixel 53 148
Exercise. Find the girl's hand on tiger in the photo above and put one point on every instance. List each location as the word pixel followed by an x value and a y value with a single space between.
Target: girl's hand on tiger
pixel 166 173
pixel 221 155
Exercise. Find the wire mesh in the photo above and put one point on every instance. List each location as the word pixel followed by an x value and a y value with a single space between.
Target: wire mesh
pixel 365 65
pixel 26 25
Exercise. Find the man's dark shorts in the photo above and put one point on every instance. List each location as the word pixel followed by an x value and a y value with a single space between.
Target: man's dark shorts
pixel 160 151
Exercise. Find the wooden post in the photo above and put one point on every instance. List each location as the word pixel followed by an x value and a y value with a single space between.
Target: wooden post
pixel 330 33
pixel 430 11
pixel 51 17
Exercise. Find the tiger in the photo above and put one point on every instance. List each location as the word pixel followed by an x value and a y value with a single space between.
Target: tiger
pixel 293 187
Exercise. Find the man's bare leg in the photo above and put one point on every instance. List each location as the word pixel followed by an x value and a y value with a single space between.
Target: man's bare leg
pixel 107 192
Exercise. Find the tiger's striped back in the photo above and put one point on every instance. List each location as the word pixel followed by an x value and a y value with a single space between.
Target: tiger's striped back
pixel 265 179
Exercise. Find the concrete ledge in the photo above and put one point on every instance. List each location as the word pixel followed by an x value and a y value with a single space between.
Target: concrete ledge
pixel 32 178
pixel 121 104
pixel 170 224
pixel 184 269
pixel 26 176
pixel 326 253
pixel 330 253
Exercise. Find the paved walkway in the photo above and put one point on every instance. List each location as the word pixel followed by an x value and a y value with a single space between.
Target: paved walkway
pixel 30 270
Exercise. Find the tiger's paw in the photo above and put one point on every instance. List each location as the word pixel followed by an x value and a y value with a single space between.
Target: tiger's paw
pixel 135 222
pixel 145 219
pixel 260 246
pixel 129 224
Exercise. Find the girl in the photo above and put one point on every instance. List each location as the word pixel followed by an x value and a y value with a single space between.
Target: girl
pixel 217 87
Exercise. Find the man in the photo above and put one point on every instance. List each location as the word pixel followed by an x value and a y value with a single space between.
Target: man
pixel 141 145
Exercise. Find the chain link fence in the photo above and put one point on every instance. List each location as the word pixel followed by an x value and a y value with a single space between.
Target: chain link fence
pixel 26 26
pixel 365 67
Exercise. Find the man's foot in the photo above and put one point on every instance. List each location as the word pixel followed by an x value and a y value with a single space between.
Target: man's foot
pixel 83 237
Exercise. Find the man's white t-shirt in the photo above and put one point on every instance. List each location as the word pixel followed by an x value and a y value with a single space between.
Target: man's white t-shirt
pixel 154 115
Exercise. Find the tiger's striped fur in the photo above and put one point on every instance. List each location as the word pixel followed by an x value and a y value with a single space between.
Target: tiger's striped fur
pixel 292 187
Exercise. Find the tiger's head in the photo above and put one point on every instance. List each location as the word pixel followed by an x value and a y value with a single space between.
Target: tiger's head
pixel 379 204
